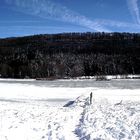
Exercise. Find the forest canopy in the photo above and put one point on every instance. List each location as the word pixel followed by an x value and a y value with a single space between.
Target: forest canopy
pixel 70 55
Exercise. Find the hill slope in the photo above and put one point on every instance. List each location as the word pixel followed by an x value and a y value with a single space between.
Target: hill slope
pixel 70 55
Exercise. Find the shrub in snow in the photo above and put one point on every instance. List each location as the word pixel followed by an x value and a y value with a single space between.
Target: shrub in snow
pixel 101 78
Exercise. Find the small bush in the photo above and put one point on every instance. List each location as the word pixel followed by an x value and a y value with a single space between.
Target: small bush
pixel 101 78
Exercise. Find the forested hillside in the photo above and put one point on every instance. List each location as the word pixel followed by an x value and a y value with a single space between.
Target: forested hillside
pixel 70 55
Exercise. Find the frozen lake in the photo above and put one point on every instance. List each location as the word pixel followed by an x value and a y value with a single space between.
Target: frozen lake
pixel 59 92
pixel 86 83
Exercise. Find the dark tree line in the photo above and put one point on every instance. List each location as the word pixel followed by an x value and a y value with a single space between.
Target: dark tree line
pixel 70 55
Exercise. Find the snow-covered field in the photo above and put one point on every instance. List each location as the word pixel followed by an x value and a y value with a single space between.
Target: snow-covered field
pixel 33 110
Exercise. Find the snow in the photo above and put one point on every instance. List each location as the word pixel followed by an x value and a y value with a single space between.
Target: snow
pixel 34 110
pixel 26 122
pixel 16 80
pixel 109 77
pixel 107 121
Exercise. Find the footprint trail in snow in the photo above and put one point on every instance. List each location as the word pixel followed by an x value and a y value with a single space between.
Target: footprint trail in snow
pixel 78 121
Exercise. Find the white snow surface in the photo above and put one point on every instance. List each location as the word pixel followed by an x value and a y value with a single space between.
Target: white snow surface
pixel 32 112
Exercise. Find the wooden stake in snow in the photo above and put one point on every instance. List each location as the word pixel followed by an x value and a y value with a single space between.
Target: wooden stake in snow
pixel 91 98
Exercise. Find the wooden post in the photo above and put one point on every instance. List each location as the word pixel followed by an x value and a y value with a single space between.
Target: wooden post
pixel 91 98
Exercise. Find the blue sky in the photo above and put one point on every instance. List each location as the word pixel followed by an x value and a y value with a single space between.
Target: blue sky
pixel 27 17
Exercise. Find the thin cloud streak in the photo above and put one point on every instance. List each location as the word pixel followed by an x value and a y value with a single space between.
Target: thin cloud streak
pixel 50 10
pixel 118 24
pixel 134 9
pixel 47 9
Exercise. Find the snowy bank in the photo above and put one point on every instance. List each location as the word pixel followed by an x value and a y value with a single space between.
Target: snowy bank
pixel 29 111
pixel 102 120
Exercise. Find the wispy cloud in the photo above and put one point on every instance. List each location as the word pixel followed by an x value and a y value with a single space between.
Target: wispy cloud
pixel 134 9
pixel 48 9
pixel 119 24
